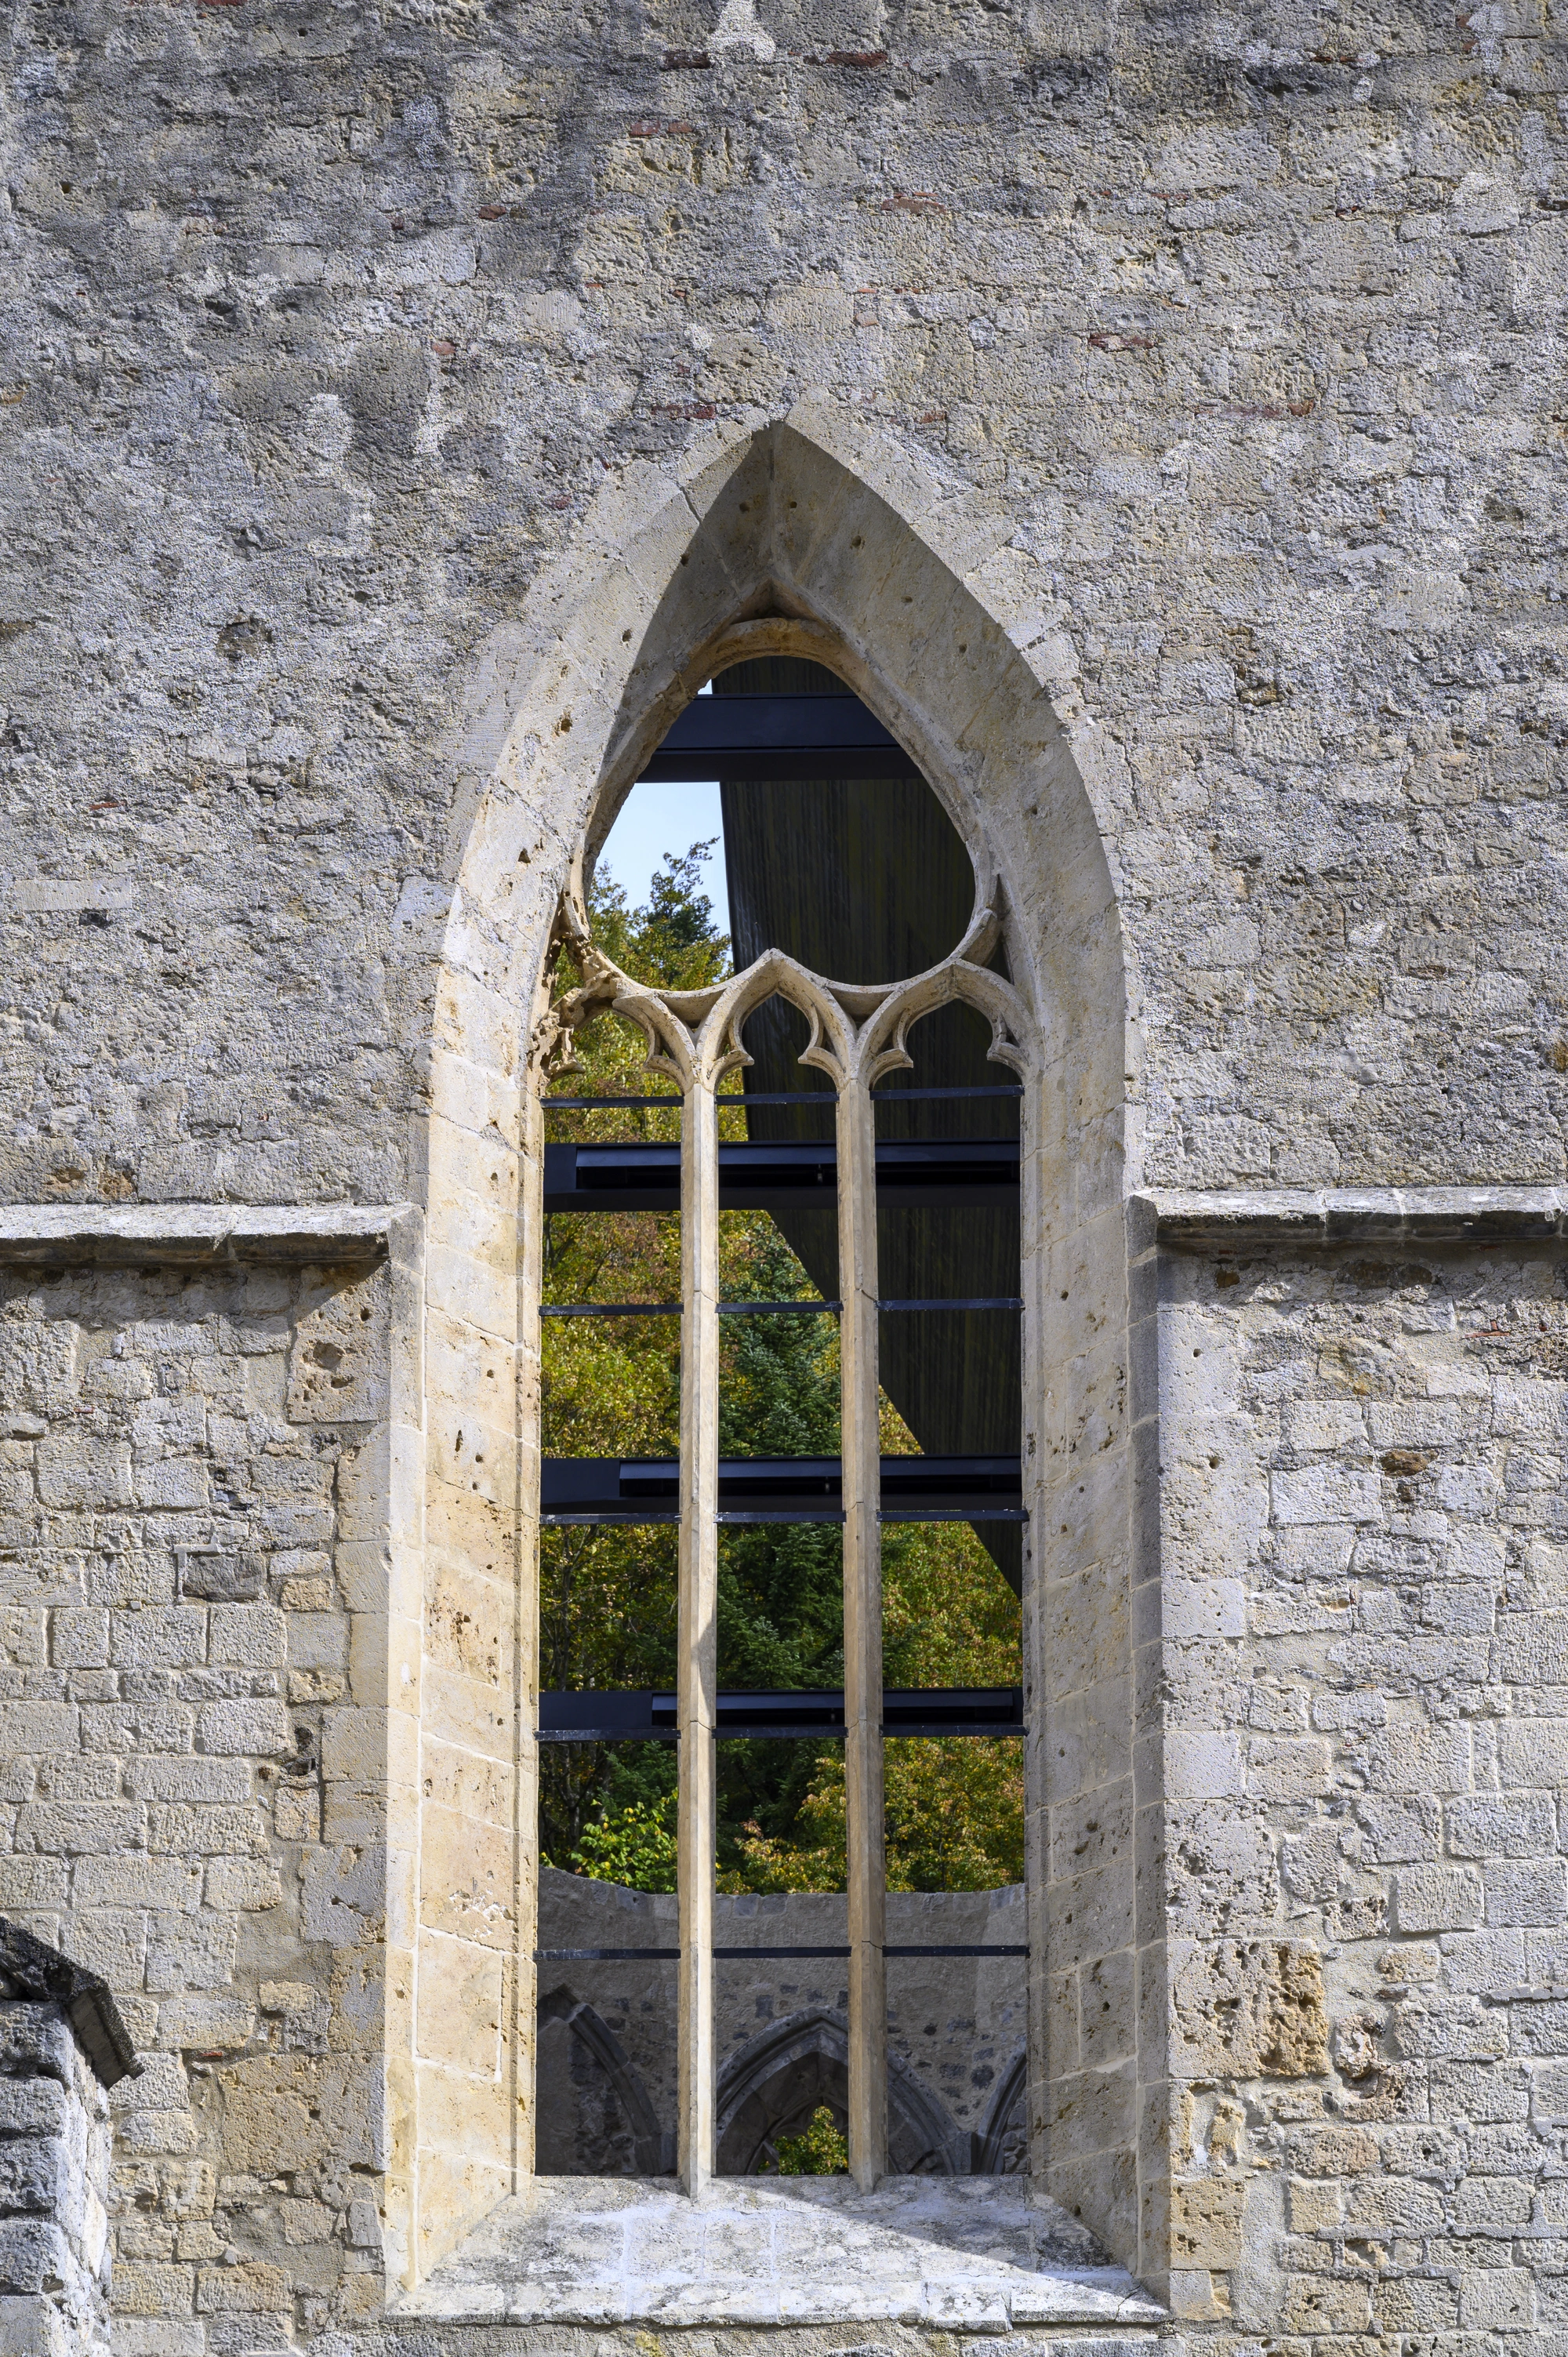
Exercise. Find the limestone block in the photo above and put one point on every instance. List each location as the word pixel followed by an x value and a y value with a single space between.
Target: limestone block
pixel 249 2288
pixel 1322 1494
pixel 1249 2009
pixel 1497 2299
pixel 1203 1765
pixel 74 1470
pixel 37 1727
pixel 1206 2221
pixel 152 2288
pixel 459 2017
pixel 186 2022
pixel 1517 1826
pixel 169 1882
pixel 1437 1899
pixel 339 1363
pixel 187 1829
pixel 248 1636
pixel 247 1885
pixel 1528 1891
pixel 163 1637
pixel 247 1729
pixel 79 1639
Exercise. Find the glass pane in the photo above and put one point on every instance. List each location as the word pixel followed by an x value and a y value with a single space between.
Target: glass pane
pixel 605 2078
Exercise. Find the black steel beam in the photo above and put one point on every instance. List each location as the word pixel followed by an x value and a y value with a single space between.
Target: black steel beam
pixel 780 1489
pixel 761 1309
pixel 763 737
pixel 765 1955
pixel 815 1715
pixel 914 1176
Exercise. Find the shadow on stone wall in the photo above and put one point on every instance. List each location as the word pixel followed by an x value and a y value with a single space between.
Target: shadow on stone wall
pixel 595 2118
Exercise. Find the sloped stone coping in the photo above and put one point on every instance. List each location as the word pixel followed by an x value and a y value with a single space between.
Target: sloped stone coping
pixel 197 1235
pixel 30 1968
pixel 1244 1218
pixel 966 2254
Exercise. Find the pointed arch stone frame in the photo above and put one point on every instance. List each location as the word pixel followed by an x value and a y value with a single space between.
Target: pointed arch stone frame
pixel 585 2022
pixel 817 535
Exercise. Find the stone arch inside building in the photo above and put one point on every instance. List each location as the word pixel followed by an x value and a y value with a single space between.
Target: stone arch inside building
pixel 804 539
pixel 774 2086
pixel 595 2116
pixel 1002 2144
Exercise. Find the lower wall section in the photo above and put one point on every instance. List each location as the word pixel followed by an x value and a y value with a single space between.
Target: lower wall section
pixel 1365 1600
pixel 192 1611
pixel 1350 1633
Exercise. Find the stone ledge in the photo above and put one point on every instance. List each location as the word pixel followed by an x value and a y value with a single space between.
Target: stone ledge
pixel 198 1236
pixel 1244 1218
pixel 971 2255
pixel 30 1967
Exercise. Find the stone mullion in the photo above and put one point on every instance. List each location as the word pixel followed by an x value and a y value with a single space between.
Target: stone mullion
pixel 525 1971
pixel 1036 1456
pixel 696 1675
pixel 860 1447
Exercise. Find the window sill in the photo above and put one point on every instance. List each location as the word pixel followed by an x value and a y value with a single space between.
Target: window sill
pixel 970 2253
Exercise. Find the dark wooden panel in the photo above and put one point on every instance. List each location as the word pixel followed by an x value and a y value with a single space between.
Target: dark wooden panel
pixel 867 880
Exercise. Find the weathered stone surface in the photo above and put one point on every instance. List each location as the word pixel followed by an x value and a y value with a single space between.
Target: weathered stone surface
pixel 1381 2018
pixel 967 2254
pixel 1158 421
pixel 61 2043
pixel 169 1784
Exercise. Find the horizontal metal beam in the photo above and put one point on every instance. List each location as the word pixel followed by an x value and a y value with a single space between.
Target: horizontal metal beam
pixel 782 736
pixel 764 1309
pixel 816 1715
pixel 800 1489
pixel 763 1956
pixel 645 1176
pixel 797 1097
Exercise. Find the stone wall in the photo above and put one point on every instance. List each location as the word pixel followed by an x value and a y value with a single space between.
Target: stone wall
pixel 62 2043
pixel 1365 1596
pixel 54 2174
pixel 1156 414
pixel 1221 349
pixel 606 2059
pixel 188 1602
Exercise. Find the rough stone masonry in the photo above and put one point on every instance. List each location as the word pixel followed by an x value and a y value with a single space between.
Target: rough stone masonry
pixel 1158 415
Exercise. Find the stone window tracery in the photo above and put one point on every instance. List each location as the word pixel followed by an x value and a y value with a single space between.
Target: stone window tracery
pixel 858 1034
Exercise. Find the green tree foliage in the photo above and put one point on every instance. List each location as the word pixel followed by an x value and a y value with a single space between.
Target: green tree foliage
pixel 607 1595
pixel 636 1847
pixel 820 2151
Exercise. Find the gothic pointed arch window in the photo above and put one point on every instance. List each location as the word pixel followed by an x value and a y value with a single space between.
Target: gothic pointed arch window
pixel 808 1171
